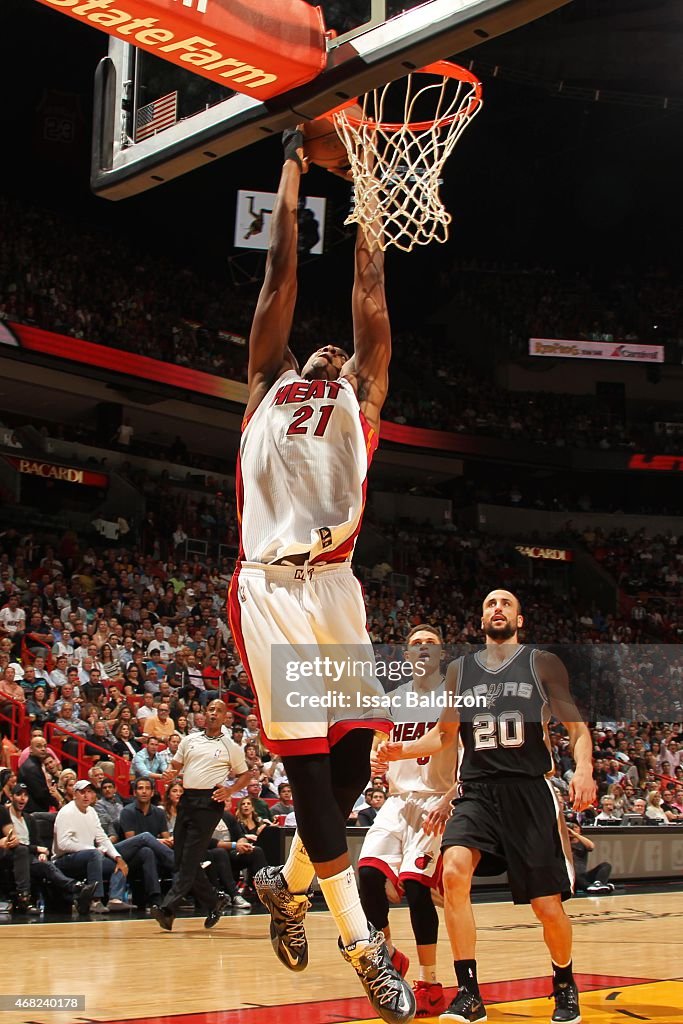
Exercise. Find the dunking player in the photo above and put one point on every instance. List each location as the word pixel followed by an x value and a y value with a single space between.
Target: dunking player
pixel 307 442
pixel 507 816
pixel 396 846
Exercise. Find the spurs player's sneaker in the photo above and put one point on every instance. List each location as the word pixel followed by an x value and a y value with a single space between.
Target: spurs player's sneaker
pixel 466 1008
pixel 391 998
pixel 566 1004
pixel 287 913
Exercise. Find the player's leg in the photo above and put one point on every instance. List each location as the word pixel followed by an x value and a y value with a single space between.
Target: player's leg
pixel 424 921
pixel 379 865
pixel 325 787
pixel 557 935
pixel 323 797
pixel 540 873
pixel 459 865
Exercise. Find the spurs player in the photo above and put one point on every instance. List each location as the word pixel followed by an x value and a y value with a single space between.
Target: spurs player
pixel 506 816
pixel 396 847
pixel 307 443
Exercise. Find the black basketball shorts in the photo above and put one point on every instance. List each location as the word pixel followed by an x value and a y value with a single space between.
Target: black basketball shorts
pixel 517 827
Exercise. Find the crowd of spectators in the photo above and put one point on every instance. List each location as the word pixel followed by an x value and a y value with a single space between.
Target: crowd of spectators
pixel 148 305
pixel 113 654
pixel 518 303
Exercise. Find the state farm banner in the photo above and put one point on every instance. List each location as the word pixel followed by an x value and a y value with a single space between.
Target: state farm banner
pixel 622 351
pixel 260 53
pixel 549 554
pixel 57 472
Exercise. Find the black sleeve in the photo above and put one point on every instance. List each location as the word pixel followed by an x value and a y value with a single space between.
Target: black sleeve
pixel 234 827
pixel 4 816
pixel 34 780
pixel 124 824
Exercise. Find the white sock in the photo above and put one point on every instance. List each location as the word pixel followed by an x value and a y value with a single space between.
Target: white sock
pixel 298 872
pixel 428 973
pixel 341 895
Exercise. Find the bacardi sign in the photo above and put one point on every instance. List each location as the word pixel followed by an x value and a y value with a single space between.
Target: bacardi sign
pixel 551 554
pixel 235 45
pixel 63 474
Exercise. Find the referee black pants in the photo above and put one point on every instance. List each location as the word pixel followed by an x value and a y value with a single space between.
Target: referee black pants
pixel 198 816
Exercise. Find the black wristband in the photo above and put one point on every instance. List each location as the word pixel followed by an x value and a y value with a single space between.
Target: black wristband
pixel 293 139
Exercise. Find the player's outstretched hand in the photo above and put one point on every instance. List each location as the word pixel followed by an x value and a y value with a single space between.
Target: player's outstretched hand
pixel 582 789
pixel 435 822
pixel 389 752
pixel 293 145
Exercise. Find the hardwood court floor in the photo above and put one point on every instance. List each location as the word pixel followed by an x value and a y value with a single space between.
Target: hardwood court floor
pixel 627 956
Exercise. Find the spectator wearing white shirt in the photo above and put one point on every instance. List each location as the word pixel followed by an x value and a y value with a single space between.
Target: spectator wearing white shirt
pixel 160 646
pixel 81 849
pixel 146 709
pixel 63 645
pixel 58 677
pixel 73 607
pixel 608 811
pixel 12 620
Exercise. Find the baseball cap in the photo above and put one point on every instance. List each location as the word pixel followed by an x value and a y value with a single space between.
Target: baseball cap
pixel 83 784
pixel 19 788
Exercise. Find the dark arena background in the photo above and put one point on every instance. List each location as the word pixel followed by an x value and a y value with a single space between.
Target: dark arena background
pixel 532 440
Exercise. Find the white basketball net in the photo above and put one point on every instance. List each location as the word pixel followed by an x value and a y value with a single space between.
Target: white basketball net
pixel 397 167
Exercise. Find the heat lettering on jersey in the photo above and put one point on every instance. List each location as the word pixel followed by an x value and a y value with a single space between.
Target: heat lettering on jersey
pixel 298 391
pixel 403 732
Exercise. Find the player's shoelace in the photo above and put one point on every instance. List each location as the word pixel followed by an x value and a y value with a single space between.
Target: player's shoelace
pixel 382 982
pixel 566 1002
pixel 289 912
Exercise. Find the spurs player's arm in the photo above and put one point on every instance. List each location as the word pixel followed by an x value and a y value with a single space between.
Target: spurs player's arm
pixel 368 368
pixel 553 675
pixel 269 353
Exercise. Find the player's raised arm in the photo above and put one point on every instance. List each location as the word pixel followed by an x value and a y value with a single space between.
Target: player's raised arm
pixel 369 365
pixel 553 675
pixel 269 354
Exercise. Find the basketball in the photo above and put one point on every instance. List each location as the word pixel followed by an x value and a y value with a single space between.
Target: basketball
pixel 323 145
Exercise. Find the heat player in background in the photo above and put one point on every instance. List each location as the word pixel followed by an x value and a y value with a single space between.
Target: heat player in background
pixel 396 847
pixel 506 815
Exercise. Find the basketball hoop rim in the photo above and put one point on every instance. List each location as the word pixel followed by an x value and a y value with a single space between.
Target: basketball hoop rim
pixel 445 68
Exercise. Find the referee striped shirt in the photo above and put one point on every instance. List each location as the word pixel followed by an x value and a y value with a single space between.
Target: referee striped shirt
pixel 209 761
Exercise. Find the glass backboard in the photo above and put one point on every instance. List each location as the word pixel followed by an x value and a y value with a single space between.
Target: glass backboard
pixel 154 121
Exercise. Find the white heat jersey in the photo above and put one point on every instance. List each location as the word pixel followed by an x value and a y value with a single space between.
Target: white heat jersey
pixel 435 774
pixel 302 472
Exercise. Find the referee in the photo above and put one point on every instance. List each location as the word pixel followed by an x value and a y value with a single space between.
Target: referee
pixel 206 760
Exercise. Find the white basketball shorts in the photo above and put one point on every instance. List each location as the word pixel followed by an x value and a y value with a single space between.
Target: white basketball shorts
pixel 282 619
pixel 396 844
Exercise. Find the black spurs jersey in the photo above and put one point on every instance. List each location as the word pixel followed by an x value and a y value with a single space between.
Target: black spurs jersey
pixel 510 735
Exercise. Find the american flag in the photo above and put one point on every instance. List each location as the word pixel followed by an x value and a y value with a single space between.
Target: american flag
pixel 156 116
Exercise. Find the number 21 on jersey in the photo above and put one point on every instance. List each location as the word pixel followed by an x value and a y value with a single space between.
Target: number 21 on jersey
pixel 302 416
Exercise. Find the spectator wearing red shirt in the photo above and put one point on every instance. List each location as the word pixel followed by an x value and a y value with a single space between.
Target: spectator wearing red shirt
pixel 212 675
